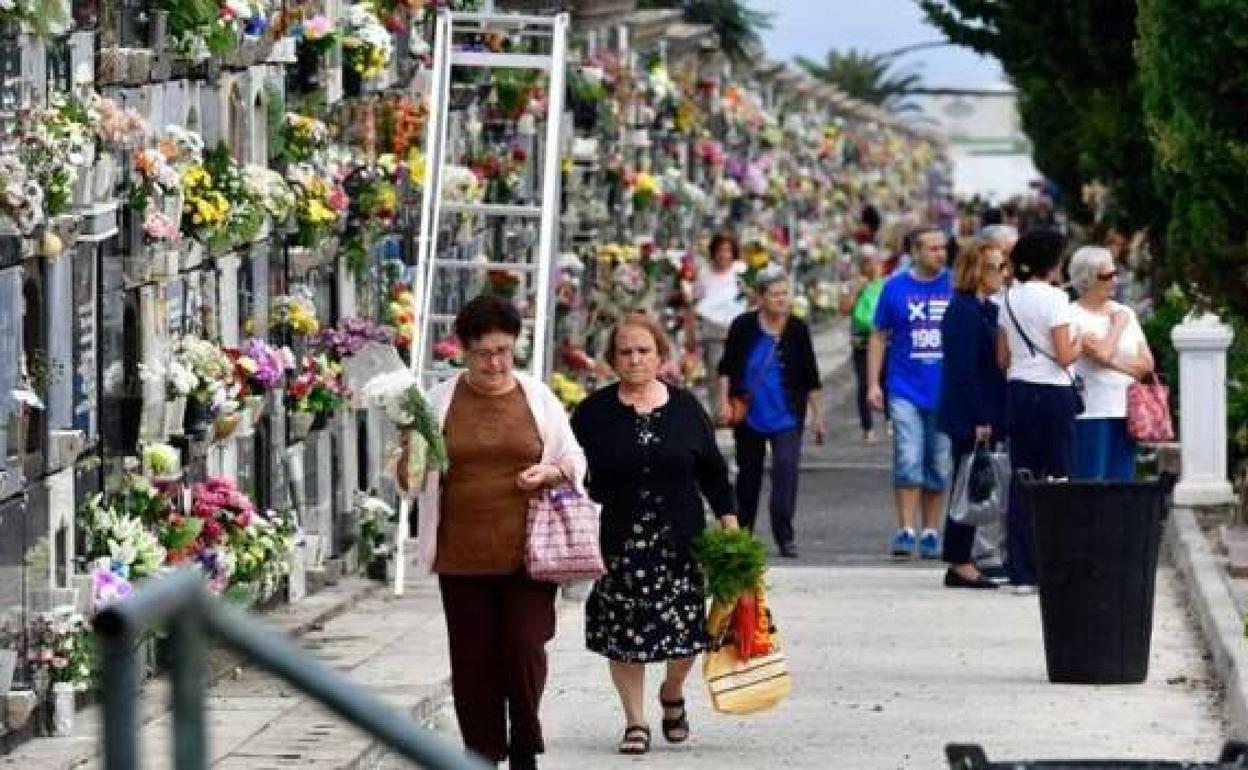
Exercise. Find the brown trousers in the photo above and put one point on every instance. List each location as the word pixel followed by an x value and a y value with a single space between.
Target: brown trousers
pixel 498 626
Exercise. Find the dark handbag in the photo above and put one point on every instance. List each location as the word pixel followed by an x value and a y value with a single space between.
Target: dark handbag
pixel 1077 386
pixel 739 403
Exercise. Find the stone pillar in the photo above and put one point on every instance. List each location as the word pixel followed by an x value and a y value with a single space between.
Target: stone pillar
pixel 1202 342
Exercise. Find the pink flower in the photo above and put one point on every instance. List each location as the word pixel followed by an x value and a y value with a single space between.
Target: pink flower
pixel 159 227
pixel 317 27
pixel 338 199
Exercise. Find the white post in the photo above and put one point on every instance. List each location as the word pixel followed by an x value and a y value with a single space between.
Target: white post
pixel 1202 342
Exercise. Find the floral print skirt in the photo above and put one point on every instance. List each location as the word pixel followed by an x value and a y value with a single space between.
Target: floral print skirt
pixel 651 604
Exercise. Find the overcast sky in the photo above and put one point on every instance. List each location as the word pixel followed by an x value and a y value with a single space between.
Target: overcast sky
pixel 811 27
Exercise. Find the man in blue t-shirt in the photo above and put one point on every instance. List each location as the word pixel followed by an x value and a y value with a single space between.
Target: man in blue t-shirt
pixel 907 325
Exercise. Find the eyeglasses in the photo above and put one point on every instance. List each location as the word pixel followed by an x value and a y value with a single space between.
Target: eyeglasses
pixel 486 356
pixel 1111 275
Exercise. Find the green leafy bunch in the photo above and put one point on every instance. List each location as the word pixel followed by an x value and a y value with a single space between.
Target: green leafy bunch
pixel 733 561
pixel 425 423
pixel 247 214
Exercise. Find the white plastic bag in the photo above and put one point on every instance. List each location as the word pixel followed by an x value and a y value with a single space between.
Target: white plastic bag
pixel 981 488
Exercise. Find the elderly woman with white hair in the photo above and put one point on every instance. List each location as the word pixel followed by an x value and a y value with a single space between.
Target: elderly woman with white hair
pixel 770 371
pixel 1115 354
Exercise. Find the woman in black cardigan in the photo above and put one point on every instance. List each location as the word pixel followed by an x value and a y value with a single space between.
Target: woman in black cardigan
pixel 652 456
pixel 770 358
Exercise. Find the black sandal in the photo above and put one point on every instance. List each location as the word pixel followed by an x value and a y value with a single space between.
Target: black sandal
pixel 636 740
pixel 677 723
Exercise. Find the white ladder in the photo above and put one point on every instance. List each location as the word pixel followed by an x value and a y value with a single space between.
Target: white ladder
pixel 435 269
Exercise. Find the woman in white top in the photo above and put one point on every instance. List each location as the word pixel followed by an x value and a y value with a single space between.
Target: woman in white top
pixel 1041 401
pixel 717 301
pixel 1115 354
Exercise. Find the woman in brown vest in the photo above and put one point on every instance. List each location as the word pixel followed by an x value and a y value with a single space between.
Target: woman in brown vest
pixel 507 436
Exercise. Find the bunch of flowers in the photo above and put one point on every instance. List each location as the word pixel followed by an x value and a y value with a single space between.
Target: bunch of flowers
pixel 499 172
pixel 159 227
pixel 645 188
pixel 161 460
pixel 223 510
pixel 156 177
pixel 261 550
pixel 398 313
pixel 108 584
pixel 296 313
pixel 320 204
pixel 617 253
pixel 351 335
pixel 372 194
pixel 211 369
pixel 60 643
pixel 55 142
pixel 366 43
pixel 258 367
pixel 246 210
pixel 371 513
pixel 21 194
pixel 39 15
pixel 205 210
pixel 303 137
pixel 449 350
pixel 122 537
pixel 269 188
pixel 461 184
pixel 117 127
pixel 399 123
pixel 318 386
pixel 710 152
pixel 214 27
pixel 317 33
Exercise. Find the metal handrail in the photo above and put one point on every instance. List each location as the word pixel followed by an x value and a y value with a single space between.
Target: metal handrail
pixel 182 602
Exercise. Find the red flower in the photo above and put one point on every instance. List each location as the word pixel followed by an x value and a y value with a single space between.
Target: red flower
pixel 519 154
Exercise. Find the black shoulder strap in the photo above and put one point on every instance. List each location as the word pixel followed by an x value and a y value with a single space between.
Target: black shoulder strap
pixel 1026 340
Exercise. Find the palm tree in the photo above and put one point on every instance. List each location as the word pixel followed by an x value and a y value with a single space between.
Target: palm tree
pixel 868 77
pixel 735 22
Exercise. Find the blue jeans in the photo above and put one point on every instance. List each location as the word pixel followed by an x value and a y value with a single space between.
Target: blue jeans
pixel 1103 450
pixel 786 451
pixel 1042 440
pixel 920 451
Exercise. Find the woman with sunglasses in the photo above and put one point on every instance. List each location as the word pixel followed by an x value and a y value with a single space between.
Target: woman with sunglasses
pixel 1115 354
pixel 972 389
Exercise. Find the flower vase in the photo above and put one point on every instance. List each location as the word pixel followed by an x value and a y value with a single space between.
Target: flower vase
pixel 255 409
pixel 226 425
pixel 301 424
pixel 352 80
pixel 195 422
pixel 8 664
pixel 63 709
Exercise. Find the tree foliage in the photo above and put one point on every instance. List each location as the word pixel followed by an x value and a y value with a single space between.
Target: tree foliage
pixel 866 76
pixel 1079 93
pixel 1196 97
pixel 737 24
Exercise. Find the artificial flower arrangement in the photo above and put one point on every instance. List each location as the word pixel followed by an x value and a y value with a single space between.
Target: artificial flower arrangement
pixel 258 367
pixel 500 172
pixel 448 350
pixel 421 446
pixel 117 127
pixel 122 537
pixel 60 647
pixel 270 190
pixel 220 509
pixel 211 381
pixel 366 43
pixel 351 336
pixel 373 203
pixel 372 513
pixel 317 388
pixel 261 551
pixel 295 313
pixel 400 121
pixel 320 203
pixel 246 212
pixel 568 390
pixel 54 143
pixel 303 137
pixel 205 210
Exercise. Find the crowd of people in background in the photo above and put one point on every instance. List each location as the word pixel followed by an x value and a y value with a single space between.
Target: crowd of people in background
pixel 972 334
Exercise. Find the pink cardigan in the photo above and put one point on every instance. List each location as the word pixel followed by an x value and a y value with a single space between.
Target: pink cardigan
pixel 559 445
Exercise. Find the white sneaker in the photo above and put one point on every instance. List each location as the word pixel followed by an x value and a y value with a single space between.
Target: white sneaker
pixel 1023 590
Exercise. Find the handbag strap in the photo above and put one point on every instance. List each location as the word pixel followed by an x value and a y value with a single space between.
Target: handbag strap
pixel 1030 345
pixel 771 355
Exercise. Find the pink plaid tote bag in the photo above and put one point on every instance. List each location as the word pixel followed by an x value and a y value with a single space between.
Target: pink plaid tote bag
pixel 1148 412
pixel 563 537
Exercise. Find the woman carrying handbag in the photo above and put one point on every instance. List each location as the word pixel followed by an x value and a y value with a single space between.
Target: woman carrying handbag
pixel 508 441
pixel 652 458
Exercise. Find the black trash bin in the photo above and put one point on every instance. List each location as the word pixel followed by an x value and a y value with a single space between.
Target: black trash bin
pixel 961 756
pixel 1096 554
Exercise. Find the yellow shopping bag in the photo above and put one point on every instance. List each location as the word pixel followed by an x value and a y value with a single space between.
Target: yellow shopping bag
pixel 738 685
